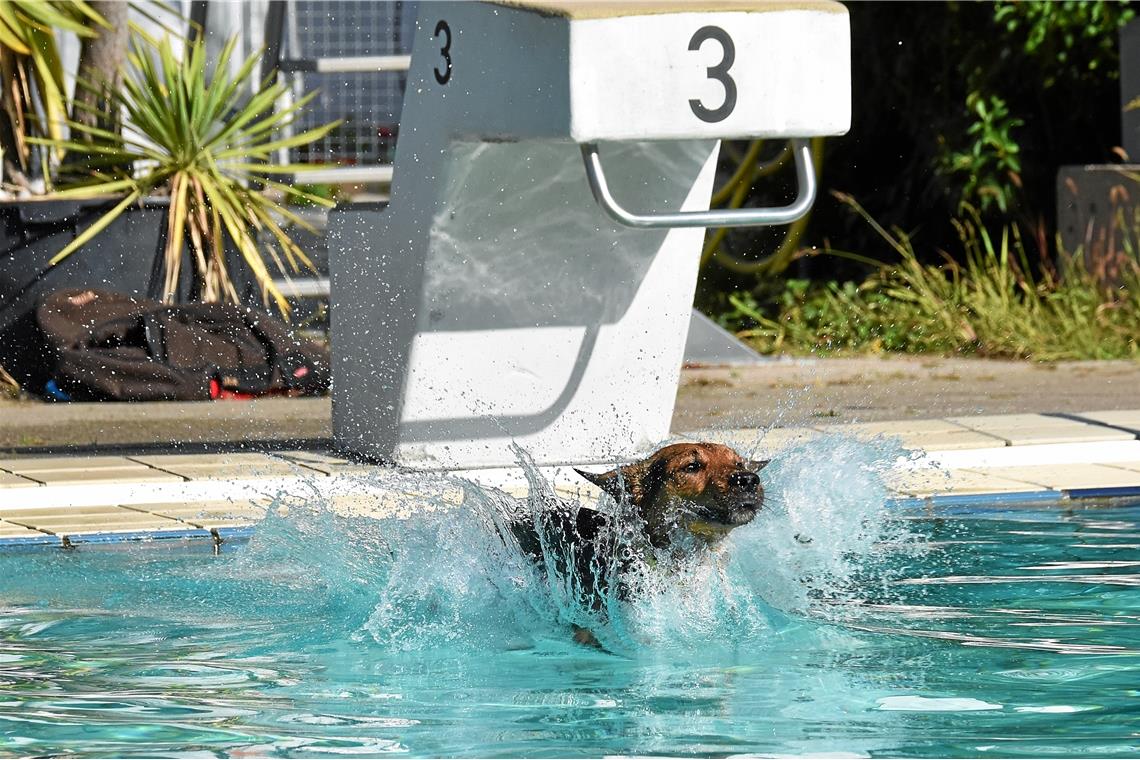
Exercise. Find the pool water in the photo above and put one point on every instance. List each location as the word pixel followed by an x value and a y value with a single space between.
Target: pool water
pixel 834 623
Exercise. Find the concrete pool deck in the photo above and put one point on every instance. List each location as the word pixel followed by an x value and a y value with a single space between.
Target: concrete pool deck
pixel 81 498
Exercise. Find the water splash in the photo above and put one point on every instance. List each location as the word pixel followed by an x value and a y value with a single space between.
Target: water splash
pixel 388 617
pixel 824 539
pixel 419 562
pixel 455 577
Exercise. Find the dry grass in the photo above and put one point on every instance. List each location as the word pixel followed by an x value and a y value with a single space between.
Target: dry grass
pixel 995 304
pixel 9 388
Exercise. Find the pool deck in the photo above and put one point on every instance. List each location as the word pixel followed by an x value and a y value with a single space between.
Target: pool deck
pixel 73 499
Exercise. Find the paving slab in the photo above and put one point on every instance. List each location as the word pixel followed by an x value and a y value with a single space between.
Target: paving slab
pixel 267 469
pixel 926 482
pixel 108 519
pixel 1035 429
pixel 13 530
pixel 1132 466
pixel 207 515
pixel 338 468
pixel 1126 418
pixel 203 460
pixel 1072 476
pixel 921 434
pixel 951 440
pixel 897 427
pixel 101 475
pixel 312 457
pixel 57 463
pixel 10 480
pixel 756 442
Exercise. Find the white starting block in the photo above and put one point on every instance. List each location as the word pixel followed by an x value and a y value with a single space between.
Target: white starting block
pixel 532 278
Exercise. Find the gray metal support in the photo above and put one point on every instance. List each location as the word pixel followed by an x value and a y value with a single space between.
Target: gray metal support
pixel 199 13
pixel 274 31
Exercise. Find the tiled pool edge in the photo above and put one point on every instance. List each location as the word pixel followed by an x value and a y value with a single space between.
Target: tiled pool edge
pixel 1104 442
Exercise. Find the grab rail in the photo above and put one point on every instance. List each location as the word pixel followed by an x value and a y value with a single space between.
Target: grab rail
pixel 752 217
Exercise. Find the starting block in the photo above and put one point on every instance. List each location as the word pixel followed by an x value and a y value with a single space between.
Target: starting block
pixel 532 278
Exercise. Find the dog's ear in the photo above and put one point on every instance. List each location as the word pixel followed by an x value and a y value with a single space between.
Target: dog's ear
pixel 756 465
pixel 608 482
pixel 637 482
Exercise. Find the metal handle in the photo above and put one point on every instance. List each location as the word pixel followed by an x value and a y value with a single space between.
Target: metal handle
pixel 748 217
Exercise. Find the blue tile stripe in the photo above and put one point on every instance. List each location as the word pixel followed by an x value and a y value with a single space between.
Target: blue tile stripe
pixel 996 499
pixel 1114 492
pixel 136 535
pixel 74 539
pixel 41 539
pixel 236 533
pixel 990 500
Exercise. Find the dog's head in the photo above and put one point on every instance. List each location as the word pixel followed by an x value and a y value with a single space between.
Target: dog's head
pixel 705 489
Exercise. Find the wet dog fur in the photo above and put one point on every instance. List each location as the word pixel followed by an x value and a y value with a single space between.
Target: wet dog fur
pixel 682 498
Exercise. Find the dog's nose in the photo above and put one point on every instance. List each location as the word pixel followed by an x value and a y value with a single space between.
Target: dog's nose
pixel 745 481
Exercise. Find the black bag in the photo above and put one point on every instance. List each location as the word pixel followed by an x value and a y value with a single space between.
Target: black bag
pixel 110 346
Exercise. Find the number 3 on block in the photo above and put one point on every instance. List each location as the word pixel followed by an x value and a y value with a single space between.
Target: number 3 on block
pixel 718 72
pixel 443 77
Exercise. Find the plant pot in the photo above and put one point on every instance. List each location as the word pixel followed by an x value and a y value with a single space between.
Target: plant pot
pixel 125 257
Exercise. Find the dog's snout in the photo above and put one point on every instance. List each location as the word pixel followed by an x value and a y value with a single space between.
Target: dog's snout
pixel 745 481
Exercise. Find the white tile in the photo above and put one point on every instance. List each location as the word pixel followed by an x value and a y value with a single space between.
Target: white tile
pixel 1125 418
pixel 89 520
pixel 8 480
pixel 928 482
pixel 896 428
pixel 106 475
pixel 207 515
pixel 265 469
pixel 51 464
pixel 1068 476
pixel 951 440
pixel 166 461
pixel 12 530
pixel 1036 429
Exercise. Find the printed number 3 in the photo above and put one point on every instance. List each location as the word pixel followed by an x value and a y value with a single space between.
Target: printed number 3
pixel 443 77
pixel 718 72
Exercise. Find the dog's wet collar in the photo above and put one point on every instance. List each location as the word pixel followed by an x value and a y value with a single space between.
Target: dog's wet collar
pixel 706 530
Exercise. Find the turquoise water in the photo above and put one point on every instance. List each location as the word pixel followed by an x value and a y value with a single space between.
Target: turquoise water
pixel 1001 633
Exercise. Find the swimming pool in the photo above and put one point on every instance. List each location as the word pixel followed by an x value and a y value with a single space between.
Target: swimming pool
pixel 895 631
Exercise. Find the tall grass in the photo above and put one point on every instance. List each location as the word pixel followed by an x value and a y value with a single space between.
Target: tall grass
pixel 993 303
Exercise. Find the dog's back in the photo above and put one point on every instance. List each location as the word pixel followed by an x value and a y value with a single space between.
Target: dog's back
pixel 576 543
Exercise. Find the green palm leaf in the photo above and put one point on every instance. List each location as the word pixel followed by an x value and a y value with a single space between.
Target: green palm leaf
pixel 202 141
pixel 28 53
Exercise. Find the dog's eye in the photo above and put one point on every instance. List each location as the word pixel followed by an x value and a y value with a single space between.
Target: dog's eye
pixel 693 467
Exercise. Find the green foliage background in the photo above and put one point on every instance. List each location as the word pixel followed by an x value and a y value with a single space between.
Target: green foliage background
pixel 960 103
pixel 960 110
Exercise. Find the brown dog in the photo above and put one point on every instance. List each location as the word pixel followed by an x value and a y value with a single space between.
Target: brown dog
pixel 682 497
pixel 703 489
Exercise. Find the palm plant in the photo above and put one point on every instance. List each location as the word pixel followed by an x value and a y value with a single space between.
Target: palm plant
pixel 31 70
pixel 199 139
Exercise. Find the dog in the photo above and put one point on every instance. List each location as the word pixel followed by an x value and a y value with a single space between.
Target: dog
pixel 682 499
